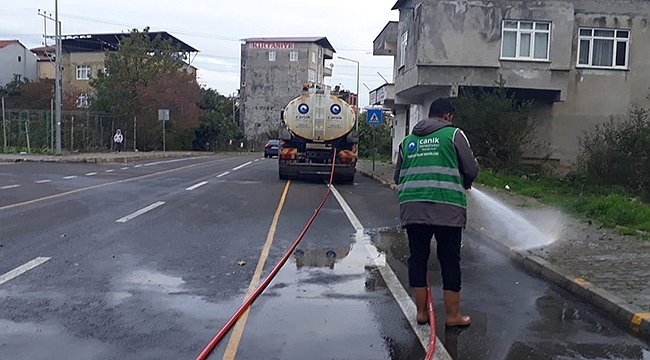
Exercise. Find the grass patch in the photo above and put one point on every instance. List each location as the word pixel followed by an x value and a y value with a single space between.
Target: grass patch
pixel 611 207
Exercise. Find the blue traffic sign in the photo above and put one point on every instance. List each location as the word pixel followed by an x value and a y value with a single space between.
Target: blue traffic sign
pixel 374 117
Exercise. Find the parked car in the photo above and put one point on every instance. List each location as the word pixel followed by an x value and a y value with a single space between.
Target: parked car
pixel 271 148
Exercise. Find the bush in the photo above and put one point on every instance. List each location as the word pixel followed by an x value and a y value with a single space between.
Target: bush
pixel 498 126
pixel 617 153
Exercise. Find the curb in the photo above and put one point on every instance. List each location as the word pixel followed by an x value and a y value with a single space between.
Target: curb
pixel 624 313
pixel 98 159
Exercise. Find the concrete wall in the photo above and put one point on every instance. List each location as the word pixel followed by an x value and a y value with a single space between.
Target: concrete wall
pixel 268 86
pixel 15 59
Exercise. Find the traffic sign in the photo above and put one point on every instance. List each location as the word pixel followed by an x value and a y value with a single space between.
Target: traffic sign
pixel 374 116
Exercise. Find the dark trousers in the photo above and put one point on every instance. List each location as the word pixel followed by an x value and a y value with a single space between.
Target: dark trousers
pixel 118 146
pixel 448 240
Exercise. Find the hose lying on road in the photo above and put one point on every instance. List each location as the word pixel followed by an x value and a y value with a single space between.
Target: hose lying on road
pixel 432 323
pixel 247 303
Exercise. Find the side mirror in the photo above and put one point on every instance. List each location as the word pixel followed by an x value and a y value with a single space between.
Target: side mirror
pixel 353 137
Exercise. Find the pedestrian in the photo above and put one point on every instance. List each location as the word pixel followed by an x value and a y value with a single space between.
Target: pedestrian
pixel 118 139
pixel 434 168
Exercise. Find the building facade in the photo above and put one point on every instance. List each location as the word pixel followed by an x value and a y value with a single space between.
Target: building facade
pixel 582 61
pixel 46 61
pixel 83 57
pixel 16 62
pixel 273 71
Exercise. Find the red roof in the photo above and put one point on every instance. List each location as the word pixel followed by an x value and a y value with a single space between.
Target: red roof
pixel 4 43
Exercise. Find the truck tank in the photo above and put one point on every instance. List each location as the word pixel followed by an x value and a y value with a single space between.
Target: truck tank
pixel 315 125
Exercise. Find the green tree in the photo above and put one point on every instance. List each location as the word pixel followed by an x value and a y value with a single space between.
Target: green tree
pixel 499 126
pixel 142 75
pixel 218 122
pixel 382 139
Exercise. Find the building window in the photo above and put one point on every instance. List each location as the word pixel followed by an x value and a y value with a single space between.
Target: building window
pixel 604 48
pixel 83 72
pixel 525 40
pixel 271 55
pixel 83 101
pixel 313 57
pixel 293 56
pixel 20 59
pixel 311 74
pixel 402 48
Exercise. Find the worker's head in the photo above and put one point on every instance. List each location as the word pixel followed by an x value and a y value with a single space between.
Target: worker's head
pixel 119 131
pixel 442 108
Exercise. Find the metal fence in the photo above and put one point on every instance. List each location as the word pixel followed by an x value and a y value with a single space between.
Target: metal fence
pixel 33 131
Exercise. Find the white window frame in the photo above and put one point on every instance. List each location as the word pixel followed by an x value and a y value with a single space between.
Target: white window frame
pixel 293 55
pixel 532 33
pixel 402 48
pixel 272 55
pixel 83 72
pixel 616 40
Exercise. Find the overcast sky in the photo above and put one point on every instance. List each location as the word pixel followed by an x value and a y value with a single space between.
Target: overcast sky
pixel 215 27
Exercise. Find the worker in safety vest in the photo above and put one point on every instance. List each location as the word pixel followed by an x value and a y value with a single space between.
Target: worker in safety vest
pixel 434 168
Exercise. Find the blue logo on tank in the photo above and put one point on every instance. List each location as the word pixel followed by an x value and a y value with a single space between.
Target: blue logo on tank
pixel 303 108
pixel 412 146
pixel 335 109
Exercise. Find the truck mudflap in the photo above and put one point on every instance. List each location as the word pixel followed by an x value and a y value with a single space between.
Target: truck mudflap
pixel 343 173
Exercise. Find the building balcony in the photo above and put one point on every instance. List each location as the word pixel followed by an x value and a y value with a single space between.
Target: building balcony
pixel 383 96
pixel 386 42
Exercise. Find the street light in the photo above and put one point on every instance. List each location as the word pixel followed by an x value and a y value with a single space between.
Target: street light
pixel 354 61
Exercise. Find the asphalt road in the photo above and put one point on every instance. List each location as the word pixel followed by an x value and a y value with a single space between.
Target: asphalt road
pixel 148 260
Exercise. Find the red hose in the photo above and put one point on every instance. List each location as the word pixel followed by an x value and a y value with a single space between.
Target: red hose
pixel 432 323
pixel 217 338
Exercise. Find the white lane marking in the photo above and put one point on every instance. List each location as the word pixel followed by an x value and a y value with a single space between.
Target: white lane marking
pixel 22 269
pixel 110 170
pixel 224 174
pixel 137 166
pixel 69 177
pixel 91 174
pixel 124 168
pixel 242 165
pixel 171 161
pixel 256 160
pixel 392 282
pixel 196 186
pixel 42 181
pixel 348 211
pixel 9 187
pixel 140 212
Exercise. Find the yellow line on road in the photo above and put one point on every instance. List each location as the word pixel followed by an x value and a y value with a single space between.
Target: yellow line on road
pixel 55 196
pixel 238 331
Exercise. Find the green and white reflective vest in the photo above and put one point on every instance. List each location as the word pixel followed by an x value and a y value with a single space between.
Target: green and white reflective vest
pixel 430 169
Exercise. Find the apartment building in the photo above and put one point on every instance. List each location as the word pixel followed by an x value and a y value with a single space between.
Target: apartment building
pixel 581 61
pixel 273 71
pixel 16 62
pixel 84 55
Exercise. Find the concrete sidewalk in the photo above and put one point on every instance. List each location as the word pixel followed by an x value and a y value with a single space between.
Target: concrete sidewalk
pixel 603 268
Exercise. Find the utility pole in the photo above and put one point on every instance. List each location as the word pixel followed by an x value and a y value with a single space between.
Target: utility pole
pixel 57 87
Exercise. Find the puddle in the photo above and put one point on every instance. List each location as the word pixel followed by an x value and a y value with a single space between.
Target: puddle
pixel 514 315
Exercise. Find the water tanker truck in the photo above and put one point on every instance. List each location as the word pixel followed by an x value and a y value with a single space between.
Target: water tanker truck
pixel 316 126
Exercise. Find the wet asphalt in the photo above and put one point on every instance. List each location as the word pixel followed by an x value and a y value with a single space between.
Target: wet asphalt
pixel 161 285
